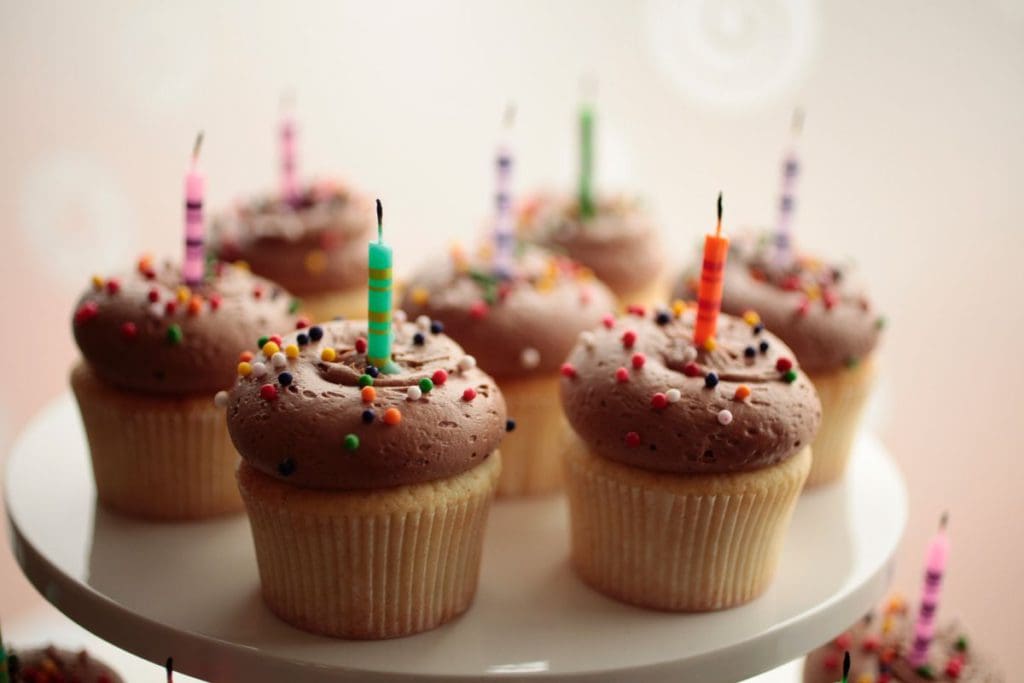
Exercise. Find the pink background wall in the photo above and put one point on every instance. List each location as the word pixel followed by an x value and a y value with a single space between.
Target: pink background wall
pixel 912 154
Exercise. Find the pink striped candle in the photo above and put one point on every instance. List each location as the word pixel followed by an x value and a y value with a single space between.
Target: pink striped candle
pixel 195 253
pixel 787 197
pixel 289 164
pixel 935 566
pixel 504 221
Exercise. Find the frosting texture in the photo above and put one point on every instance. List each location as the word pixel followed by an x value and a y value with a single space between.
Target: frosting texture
pixel 144 331
pixel 324 419
pixel 638 392
pixel 818 309
pixel 525 323
pixel 620 243
pixel 314 246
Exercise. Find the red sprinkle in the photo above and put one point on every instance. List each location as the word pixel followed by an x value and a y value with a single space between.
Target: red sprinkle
pixel 658 401
pixel 170 307
pixel 638 360
pixel 954 667
pixel 791 283
pixel 478 310
pixel 469 394
pixel 632 439
pixel 276 338
pixel 360 345
pixel 113 286
pixel 439 377
pixel 635 309
pixel 214 301
pixel 268 392
pixel 870 643
pixel 622 375
pixel 691 369
pixel 129 331
pixel 803 307
pixel 831 661
pixel 568 370
pixel 86 312
pixel 628 338
pixel 608 320
pixel 830 299
pixel 302 323
pixel 783 365
pixel 153 295
pixel 257 292
pixel 843 640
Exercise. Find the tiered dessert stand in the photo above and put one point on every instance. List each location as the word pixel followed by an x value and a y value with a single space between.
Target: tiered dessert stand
pixel 192 591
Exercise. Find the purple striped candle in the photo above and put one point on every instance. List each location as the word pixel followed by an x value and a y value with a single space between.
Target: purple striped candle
pixel 787 197
pixel 504 221
pixel 289 164
pixel 195 253
pixel 935 566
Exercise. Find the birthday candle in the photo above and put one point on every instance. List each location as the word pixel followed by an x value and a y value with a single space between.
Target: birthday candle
pixel 195 185
pixel 709 293
pixel 381 334
pixel 935 566
pixel 586 189
pixel 289 165
pixel 504 234
pixel 787 198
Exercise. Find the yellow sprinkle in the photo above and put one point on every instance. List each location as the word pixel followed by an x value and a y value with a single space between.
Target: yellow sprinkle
pixel 545 284
pixel 678 306
pixel 895 604
pixel 244 369
pixel 710 344
pixel 242 265
pixel 184 293
pixel 97 282
pixel 886 625
pixel 270 348
pixel 328 355
pixel 813 292
pixel 865 678
pixel 316 261
pixel 419 296
pixel 585 273
pixel 751 318
pixel 292 351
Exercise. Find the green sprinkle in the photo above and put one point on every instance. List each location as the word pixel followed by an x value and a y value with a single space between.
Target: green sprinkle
pixel 961 644
pixel 365 381
pixel 851 362
pixel 351 442
pixel 293 305
pixel 174 335
pixel 262 342
pixel 880 322
pixel 488 283
pixel 790 376
pixel 426 384
pixel 925 672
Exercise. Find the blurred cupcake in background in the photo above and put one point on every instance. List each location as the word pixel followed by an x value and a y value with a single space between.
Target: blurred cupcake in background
pixel 53 665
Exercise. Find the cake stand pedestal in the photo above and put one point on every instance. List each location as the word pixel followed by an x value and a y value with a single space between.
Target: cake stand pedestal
pixel 191 591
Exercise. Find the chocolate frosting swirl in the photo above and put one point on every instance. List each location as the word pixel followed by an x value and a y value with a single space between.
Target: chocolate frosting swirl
pixel 818 309
pixel 315 429
pixel 315 246
pixel 610 401
pixel 620 243
pixel 515 326
pixel 142 331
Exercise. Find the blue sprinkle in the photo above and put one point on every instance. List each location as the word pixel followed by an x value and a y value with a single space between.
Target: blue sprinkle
pixel 710 380
pixel 663 318
pixel 368 416
pixel 285 378
pixel 437 327
pixel 758 328
pixel 764 347
pixel 372 370
pixel 750 352
pixel 418 339
pixel 302 339
pixel 316 333
pixel 286 467
pixel 510 425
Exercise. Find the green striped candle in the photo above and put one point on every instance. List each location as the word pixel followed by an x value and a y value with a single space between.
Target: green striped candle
pixel 381 333
pixel 586 188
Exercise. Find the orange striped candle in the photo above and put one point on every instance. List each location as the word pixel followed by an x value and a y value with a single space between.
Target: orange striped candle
pixel 709 293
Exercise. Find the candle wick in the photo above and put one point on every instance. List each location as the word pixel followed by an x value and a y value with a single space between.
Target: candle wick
pixel 380 222
pixel 944 520
pixel 170 668
pixel 718 230
pixel 197 146
pixel 846 666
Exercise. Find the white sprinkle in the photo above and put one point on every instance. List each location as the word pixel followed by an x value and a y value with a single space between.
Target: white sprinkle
pixel 279 360
pixel 724 417
pixel 413 393
pixel 423 322
pixel 156 311
pixel 221 399
pixel 258 369
pixel 399 316
pixel 673 395
pixel 530 357
pixel 689 354
pixel 587 339
pixel 467 363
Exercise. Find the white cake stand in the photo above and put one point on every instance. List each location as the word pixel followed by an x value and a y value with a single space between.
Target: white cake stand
pixel 192 591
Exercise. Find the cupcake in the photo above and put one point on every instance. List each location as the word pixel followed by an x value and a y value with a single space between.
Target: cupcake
pixel 314 245
pixel 619 242
pixel 519 328
pixel 878 646
pixel 824 315
pixel 367 492
pixel 686 463
pixel 53 665
pixel 154 353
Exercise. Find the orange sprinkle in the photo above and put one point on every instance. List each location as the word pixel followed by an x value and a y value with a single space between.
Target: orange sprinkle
pixel 419 296
pixel 895 604
pixel 184 293
pixel 742 392
pixel 292 351
pixel 328 354
pixel 392 416
pixel 245 356
pixel 710 344
pixel 244 369
pixel 369 395
pixel 195 305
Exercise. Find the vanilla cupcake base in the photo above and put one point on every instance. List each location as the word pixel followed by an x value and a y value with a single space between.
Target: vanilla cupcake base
pixel 843 394
pixel 349 304
pixel 653 293
pixel 157 457
pixel 531 454
pixel 370 564
pixel 685 543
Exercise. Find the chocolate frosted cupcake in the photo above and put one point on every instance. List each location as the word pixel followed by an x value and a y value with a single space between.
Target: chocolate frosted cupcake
pixel 315 246
pixel 687 462
pixel 368 492
pixel 154 354
pixel 823 314
pixel 520 329
pixel 53 665
pixel 619 242
pixel 879 645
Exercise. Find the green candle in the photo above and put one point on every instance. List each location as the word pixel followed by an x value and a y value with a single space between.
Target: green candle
pixel 586 189
pixel 381 334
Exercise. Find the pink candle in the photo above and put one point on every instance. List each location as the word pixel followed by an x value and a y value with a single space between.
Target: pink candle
pixel 195 253
pixel 289 165
pixel 935 566
pixel 504 227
